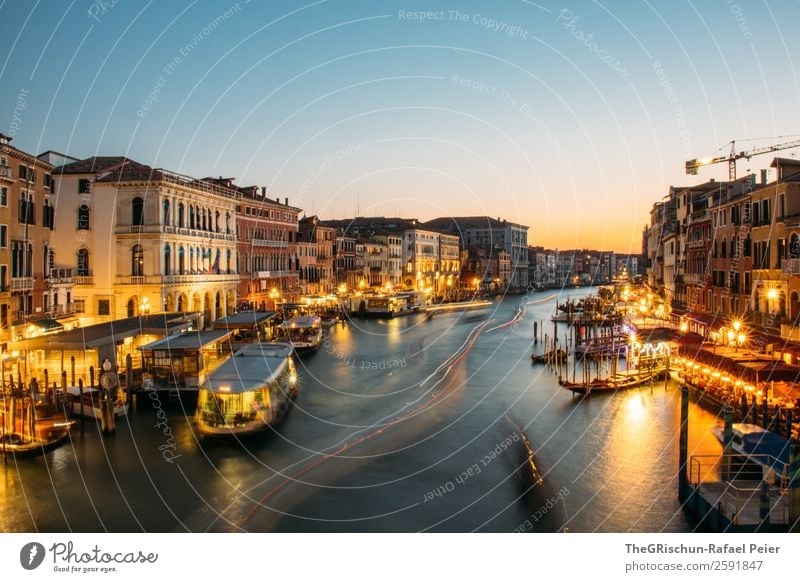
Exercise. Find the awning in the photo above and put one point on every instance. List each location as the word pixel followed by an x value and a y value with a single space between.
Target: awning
pixel 47 325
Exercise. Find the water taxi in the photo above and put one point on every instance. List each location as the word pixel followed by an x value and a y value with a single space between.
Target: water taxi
pixel 303 332
pixel 249 392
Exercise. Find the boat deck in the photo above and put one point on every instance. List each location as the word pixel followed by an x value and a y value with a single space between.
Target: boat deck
pixel 740 501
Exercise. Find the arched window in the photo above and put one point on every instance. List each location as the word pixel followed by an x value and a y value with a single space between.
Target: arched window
pixel 83 262
pixel 724 249
pixel 166 212
pixel 46 261
pixel 48 214
pixel 181 261
pixel 137 211
pixel 167 256
pixel 29 261
pixel 227 223
pixel 205 226
pixel 137 261
pixel 181 221
pixel 191 259
pixel 216 221
pixel 83 217
pixel 228 261
pixel 191 217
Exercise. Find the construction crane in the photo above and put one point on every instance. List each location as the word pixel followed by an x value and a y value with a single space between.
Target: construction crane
pixel 693 165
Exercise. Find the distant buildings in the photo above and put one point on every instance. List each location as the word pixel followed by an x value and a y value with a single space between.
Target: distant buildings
pixel 489 233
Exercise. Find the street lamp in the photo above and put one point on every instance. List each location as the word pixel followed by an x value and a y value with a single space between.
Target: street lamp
pixel 144 307
pixel 274 295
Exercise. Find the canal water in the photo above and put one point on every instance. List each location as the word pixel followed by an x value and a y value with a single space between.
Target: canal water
pixel 404 425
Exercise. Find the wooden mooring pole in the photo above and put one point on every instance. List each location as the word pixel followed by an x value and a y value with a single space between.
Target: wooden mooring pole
pixel 683 453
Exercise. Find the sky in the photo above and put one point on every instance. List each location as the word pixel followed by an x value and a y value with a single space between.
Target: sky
pixel 572 118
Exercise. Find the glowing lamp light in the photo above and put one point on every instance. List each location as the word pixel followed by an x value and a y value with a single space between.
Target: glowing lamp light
pixel 772 294
pixel 224 388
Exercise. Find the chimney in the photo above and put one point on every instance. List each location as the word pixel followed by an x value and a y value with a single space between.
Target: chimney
pixel 286 201
pixel 263 191
pixel 764 177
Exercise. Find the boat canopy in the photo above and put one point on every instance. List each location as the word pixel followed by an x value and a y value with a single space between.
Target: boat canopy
pixel 249 368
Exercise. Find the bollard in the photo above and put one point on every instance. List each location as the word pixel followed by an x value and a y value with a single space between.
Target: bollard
pixel 683 455
pixel 789 423
pixel 91 376
pixel 128 378
pixel 72 370
pixel 794 489
pixel 727 442
pixel 80 397
pixel 763 503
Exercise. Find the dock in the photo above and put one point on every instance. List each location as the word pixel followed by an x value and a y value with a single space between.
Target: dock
pixel 727 493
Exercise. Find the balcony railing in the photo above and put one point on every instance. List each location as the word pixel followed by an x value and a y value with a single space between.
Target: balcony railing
pixel 198 278
pixel 22 283
pixel 791 266
pixel 83 280
pixel 262 242
pixel 698 244
pixel 272 274
pixel 60 276
pixel 162 229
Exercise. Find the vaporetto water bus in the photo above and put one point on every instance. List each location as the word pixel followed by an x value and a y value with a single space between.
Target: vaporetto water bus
pixel 249 392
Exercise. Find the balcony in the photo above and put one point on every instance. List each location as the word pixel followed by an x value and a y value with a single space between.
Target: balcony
pixel 60 276
pixel 59 310
pixel 272 274
pixel 196 278
pixel 790 267
pixel 5 172
pixel 22 284
pixel 698 244
pixel 83 280
pixel 168 229
pixel 275 244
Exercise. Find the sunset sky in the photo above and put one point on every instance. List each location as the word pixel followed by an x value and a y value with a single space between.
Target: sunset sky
pixel 571 118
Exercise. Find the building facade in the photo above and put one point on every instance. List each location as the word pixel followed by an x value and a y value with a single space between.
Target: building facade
pixel 27 218
pixel 267 247
pixel 147 240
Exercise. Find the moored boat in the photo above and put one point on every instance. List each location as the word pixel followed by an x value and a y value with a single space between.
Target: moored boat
pixel 303 332
pixel 249 392
pixel 618 382
pixel 47 434
pixel 758 445
pixel 92 399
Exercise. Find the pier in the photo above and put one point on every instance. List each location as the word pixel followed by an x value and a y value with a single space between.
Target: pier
pixel 725 493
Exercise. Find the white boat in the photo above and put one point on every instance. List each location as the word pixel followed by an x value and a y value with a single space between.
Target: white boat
pixel 249 392
pixel 91 402
pixel 303 332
